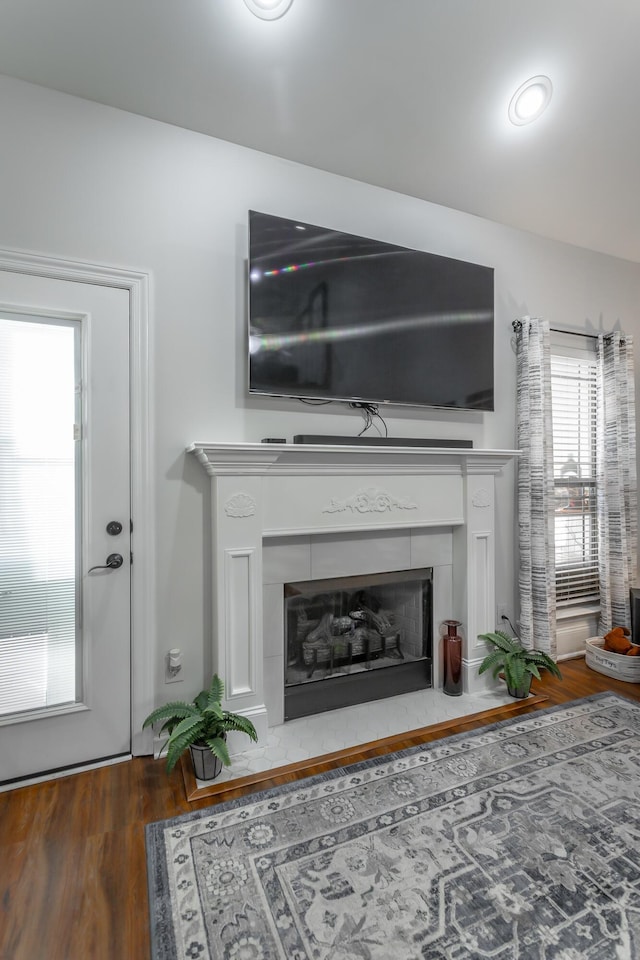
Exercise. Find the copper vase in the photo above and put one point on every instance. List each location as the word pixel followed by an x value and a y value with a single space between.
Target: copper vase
pixel 452 678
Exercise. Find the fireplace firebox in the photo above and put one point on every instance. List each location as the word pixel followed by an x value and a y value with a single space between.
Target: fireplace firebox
pixel 351 640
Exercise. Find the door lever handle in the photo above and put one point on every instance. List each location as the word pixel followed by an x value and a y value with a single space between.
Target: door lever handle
pixel 114 560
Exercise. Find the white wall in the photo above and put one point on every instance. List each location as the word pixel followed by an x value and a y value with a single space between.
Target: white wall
pixel 87 182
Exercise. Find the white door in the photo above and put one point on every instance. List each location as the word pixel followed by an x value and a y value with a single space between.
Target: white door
pixel 65 540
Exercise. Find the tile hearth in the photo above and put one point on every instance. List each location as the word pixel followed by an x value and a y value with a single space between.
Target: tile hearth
pixel 325 733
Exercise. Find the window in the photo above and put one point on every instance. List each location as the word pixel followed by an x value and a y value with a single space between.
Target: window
pixel 573 386
pixel 39 529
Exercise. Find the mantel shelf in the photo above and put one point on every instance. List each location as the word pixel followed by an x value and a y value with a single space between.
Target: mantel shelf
pixel 220 459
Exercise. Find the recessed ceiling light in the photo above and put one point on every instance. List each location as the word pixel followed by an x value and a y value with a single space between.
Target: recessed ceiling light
pixel 530 100
pixel 268 9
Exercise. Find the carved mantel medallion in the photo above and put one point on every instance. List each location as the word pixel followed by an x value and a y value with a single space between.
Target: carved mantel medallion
pixel 372 500
pixel 240 505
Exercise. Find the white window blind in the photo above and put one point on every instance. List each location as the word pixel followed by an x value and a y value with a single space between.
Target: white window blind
pixel 573 384
pixel 39 506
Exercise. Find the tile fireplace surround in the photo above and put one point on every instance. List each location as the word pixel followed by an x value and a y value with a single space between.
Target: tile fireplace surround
pixel 289 512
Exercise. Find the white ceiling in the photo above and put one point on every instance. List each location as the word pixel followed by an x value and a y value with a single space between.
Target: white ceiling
pixel 406 94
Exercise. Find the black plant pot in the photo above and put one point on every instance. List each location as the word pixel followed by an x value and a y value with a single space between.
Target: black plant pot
pixel 521 692
pixel 206 765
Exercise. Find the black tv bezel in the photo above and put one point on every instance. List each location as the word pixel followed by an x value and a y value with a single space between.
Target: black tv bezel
pixel 370 401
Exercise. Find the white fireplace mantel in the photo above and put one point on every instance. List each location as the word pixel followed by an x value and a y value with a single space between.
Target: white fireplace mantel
pixel 220 459
pixel 262 491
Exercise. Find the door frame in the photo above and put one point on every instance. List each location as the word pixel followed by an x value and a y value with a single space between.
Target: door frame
pixel 143 617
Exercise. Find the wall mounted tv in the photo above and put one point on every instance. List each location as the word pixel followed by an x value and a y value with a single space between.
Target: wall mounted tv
pixel 339 317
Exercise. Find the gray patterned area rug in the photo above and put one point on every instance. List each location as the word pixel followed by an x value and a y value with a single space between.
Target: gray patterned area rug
pixel 519 840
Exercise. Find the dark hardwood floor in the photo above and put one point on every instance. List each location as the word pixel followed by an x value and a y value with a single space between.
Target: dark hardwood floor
pixel 72 855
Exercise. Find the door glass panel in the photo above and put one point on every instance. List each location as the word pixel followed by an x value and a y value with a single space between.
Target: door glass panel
pixel 39 513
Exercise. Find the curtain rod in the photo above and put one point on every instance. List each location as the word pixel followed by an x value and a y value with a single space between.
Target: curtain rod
pixel 516 324
pixel 576 333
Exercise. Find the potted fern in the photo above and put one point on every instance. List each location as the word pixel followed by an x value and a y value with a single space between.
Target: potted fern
pixel 517 663
pixel 200 726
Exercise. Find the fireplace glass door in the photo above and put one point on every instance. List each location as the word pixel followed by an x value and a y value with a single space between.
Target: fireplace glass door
pixel 355 639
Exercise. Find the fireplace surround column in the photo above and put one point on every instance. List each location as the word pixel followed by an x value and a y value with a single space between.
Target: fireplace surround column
pixel 236 539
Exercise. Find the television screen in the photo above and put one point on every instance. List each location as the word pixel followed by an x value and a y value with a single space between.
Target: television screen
pixel 339 317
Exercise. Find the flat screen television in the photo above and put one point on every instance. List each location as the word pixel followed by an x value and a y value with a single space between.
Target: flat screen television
pixel 339 317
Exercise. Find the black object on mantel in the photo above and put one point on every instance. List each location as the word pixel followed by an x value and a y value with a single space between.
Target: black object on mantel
pixel 378 441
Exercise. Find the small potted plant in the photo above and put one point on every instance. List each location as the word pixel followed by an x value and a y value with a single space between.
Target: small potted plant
pixel 517 663
pixel 201 727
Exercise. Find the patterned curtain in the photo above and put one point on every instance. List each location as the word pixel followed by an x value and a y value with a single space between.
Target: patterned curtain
pixel 616 478
pixel 535 486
